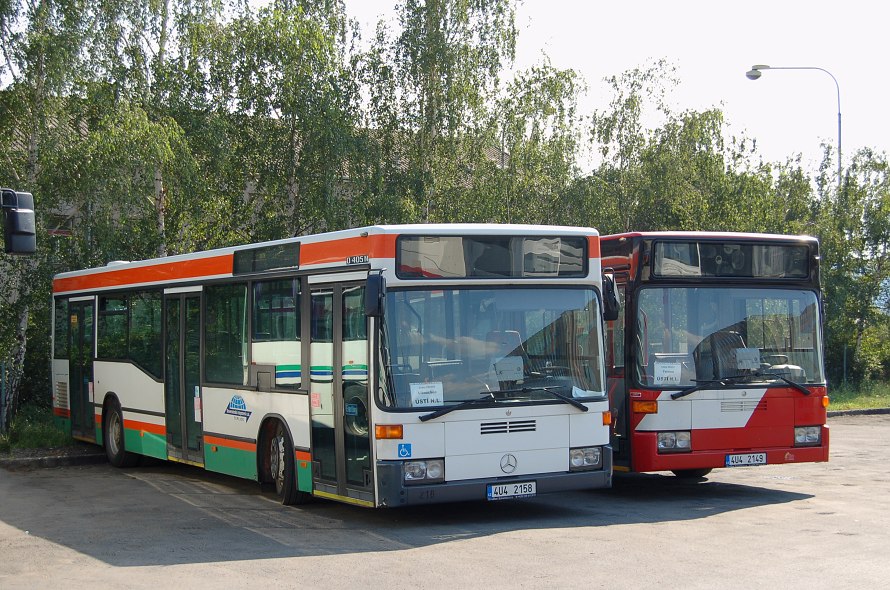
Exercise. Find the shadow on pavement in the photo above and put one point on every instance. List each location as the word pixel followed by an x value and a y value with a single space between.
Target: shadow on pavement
pixel 167 514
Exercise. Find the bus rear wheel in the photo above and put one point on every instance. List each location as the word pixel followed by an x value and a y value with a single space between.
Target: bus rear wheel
pixel 113 437
pixel 691 473
pixel 282 469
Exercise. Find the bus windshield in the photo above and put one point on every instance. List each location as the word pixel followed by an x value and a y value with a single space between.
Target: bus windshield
pixel 445 346
pixel 687 335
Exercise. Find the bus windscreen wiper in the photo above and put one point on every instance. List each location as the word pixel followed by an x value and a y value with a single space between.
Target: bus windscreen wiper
pixel 793 384
pixel 464 404
pixel 473 402
pixel 735 379
pixel 549 390
pixel 699 384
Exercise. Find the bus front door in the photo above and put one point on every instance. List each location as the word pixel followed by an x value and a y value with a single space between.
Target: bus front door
pixel 341 447
pixel 80 328
pixel 182 384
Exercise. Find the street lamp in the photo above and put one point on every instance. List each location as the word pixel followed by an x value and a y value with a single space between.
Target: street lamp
pixel 755 72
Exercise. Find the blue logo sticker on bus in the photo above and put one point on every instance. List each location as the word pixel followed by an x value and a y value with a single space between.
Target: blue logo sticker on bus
pixel 405 451
pixel 238 408
pixel 352 409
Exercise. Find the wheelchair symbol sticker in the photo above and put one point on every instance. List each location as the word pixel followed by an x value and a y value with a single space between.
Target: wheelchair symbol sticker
pixel 404 451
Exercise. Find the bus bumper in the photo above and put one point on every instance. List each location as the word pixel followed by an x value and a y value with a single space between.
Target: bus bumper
pixel 392 492
pixel 646 457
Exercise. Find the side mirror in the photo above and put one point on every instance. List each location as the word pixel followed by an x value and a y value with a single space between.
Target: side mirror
pixel 19 225
pixel 611 304
pixel 375 295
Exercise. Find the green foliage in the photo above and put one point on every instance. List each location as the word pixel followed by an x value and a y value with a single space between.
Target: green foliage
pixel 865 396
pixel 33 428
pixel 154 128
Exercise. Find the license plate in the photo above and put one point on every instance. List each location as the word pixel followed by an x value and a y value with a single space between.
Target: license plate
pixel 745 459
pixel 504 491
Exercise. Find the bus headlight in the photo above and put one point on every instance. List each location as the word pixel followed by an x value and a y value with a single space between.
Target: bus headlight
pixel 674 442
pixel 807 436
pixel 584 458
pixel 426 471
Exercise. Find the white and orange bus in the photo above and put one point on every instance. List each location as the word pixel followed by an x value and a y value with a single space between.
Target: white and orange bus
pixel 380 366
pixel 716 358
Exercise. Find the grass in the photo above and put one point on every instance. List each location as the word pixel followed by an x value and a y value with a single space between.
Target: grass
pixel 33 428
pixel 862 397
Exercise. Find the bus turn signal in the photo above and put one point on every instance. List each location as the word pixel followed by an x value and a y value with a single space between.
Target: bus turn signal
pixel 645 407
pixel 391 431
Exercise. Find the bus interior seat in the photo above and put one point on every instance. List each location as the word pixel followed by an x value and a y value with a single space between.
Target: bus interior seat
pixel 788 371
pixel 715 355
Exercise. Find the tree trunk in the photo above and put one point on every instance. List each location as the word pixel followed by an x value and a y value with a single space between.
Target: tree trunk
pixel 16 370
pixel 29 267
pixel 160 211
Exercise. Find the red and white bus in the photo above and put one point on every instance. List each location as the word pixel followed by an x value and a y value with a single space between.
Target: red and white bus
pixel 380 366
pixel 716 359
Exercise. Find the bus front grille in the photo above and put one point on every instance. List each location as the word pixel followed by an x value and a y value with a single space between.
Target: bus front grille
pixel 743 405
pixel 507 426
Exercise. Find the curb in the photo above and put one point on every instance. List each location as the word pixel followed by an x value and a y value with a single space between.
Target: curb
pixel 13 463
pixel 868 412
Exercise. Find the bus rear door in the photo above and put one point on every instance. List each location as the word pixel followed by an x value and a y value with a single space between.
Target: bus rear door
pixel 81 330
pixel 182 383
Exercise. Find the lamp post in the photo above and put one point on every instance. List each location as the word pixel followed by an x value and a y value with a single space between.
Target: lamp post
pixel 755 72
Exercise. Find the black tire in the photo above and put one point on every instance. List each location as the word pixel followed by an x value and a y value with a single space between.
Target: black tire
pixel 691 473
pixel 282 470
pixel 113 437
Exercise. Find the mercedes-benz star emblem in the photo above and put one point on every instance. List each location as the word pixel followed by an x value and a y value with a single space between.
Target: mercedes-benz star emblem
pixel 508 463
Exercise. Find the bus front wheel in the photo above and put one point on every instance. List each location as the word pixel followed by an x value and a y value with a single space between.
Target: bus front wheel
pixel 282 468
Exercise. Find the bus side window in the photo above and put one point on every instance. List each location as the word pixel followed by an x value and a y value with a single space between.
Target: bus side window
pixel 615 338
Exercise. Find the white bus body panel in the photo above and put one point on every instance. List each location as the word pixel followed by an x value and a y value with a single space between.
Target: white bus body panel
pixel 473 441
pixel 133 388
pixel 705 409
pixel 293 407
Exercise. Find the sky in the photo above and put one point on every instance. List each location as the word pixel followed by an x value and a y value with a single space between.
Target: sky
pixel 712 44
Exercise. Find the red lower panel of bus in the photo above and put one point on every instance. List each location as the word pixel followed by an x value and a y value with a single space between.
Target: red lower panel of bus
pixel 647 458
pixel 729 427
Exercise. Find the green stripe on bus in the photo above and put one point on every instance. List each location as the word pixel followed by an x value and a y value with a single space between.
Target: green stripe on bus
pixel 288 367
pixel 237 462
pixel 145 443
pixel 304 476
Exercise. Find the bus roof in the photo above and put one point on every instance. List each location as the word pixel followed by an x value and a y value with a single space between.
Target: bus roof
pixel 316 250
pixel 708 235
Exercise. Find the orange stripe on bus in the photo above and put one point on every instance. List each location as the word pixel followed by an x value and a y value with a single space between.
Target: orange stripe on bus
pixel 62 412
pixel 375 246
pixel 156 273
pixel 229 443
pixel 303 456
pixel 146 426
pixel 594 246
